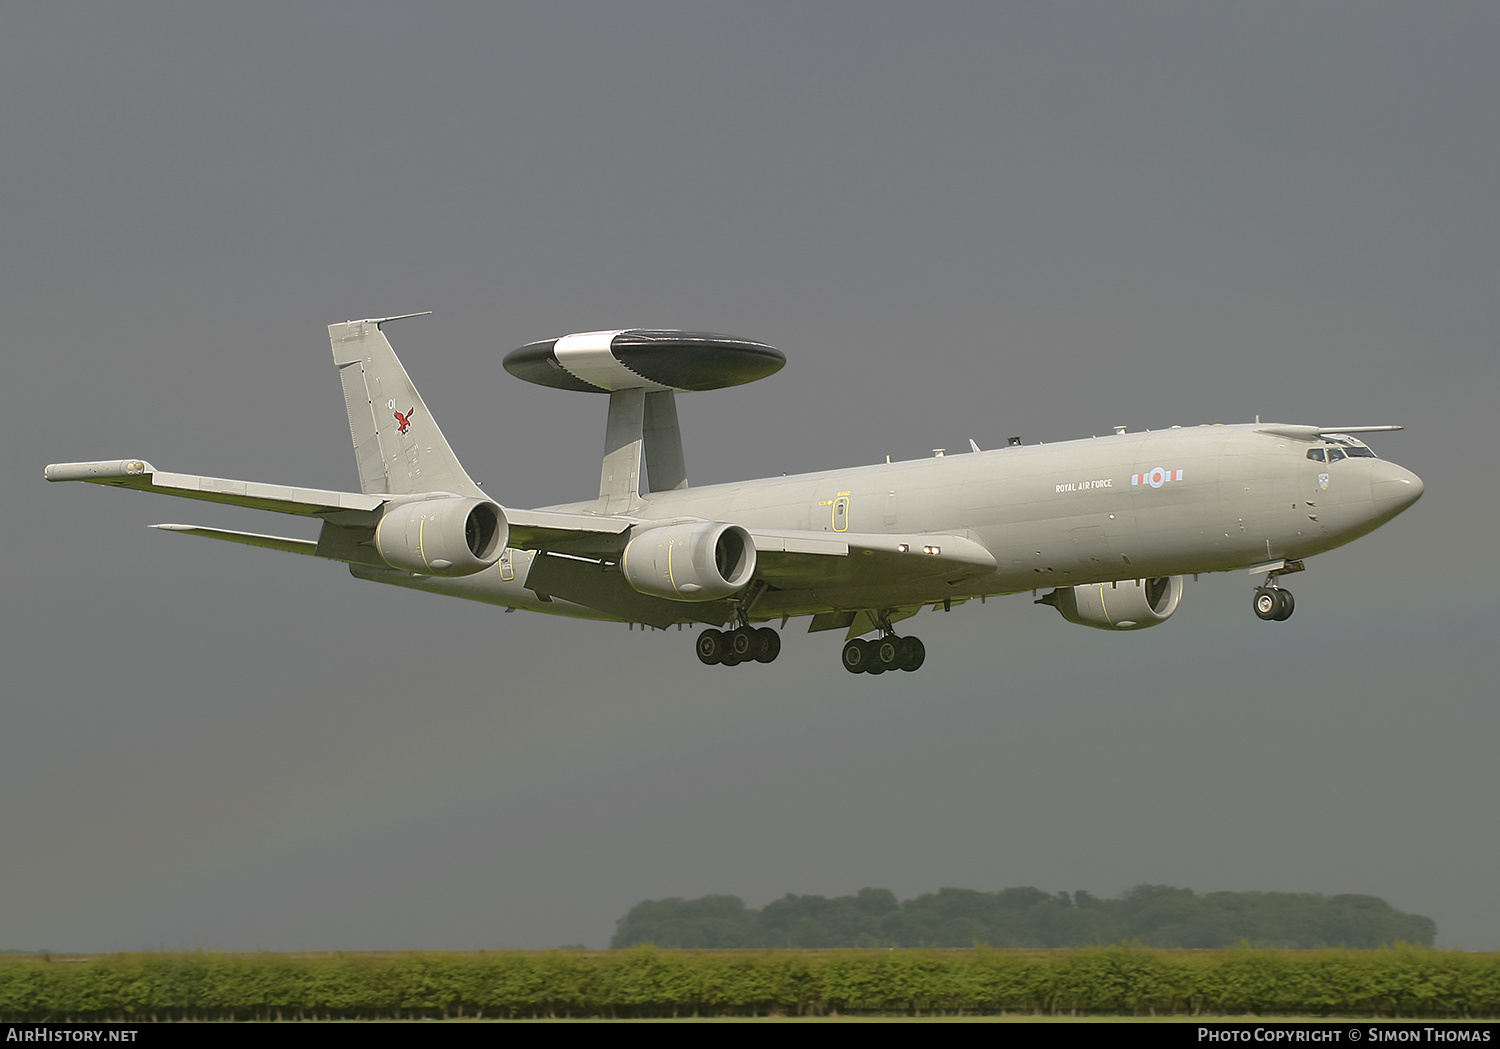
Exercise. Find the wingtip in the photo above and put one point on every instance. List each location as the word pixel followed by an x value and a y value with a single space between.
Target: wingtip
pixel 107 470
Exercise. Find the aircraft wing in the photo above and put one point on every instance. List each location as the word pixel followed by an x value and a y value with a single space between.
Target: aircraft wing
pixel 794 560
pixel 143 477
pixel 582 535
pixel 529 529
pixel 270 542
pixel 1312 433
pixel 787 559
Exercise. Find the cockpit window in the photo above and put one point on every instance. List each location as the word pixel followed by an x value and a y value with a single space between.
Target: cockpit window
pixel 1353 447
pixel 1315 454
pixel 1335 454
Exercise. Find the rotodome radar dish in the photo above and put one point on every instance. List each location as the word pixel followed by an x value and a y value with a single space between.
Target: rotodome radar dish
pixel 643 359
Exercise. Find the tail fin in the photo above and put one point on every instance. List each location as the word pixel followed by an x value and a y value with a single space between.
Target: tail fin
pixel 397 443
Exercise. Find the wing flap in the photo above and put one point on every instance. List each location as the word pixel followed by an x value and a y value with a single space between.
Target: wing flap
pixel 589 584
pixel 581 535
pixel 799 543
pixel 795 560
pixel 272 542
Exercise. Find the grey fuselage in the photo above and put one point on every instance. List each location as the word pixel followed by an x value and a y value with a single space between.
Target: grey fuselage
pixel 1124 506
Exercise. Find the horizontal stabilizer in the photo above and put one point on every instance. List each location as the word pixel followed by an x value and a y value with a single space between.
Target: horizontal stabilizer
pixel 272 542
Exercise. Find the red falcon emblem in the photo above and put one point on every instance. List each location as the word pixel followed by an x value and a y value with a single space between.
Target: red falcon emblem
pixel 405 420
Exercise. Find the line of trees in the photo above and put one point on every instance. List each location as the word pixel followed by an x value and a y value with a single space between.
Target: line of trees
pixel 1151 915
pixel 645 982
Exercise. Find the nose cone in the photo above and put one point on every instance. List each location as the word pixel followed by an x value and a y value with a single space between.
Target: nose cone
pixel 1394 489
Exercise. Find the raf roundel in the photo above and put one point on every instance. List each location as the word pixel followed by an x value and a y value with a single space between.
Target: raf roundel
pixel 643 359
pixel 1156 477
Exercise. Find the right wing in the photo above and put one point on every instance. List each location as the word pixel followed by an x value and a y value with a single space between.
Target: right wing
pixel 797 560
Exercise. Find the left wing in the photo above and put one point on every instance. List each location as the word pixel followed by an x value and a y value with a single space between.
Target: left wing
pixel 821 566
pixel 143 477
pixel 350 517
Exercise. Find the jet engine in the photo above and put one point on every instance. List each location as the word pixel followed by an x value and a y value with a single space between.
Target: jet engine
pixel 450 536
pixel 1132 604
pixel 697 561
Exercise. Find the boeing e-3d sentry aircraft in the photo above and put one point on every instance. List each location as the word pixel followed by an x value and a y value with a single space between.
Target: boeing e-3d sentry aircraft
pixel 1108 526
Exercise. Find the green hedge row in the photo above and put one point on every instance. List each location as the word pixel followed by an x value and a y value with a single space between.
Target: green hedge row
pixel 1400 982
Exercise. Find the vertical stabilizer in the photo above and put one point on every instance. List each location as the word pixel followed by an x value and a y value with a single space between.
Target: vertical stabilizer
pixel 397 443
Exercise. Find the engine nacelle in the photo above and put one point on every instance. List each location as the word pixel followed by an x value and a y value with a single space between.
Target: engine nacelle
pixel 697 561
pixel 444 537
pixel 1132 604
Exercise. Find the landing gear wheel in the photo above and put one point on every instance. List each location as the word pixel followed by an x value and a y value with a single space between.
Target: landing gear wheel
pixel 880 654
pixel 767 646
pixel 913 653
pixel 856 657
pixel 743 643
pixel 1266 602
pixel 1285 605
pixel 711 647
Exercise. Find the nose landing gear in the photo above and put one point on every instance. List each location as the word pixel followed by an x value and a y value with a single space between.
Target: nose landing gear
pixel 1272 602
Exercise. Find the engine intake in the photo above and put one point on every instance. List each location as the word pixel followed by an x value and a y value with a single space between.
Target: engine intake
pixel 698 561
pixel 452 536
pixel 1132 604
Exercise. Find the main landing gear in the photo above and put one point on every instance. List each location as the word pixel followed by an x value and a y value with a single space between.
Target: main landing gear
pixel 743 644
pixel 1272 602
pixel 877 655
pixel 886 652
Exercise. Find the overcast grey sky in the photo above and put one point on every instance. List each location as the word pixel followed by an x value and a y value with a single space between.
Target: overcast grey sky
pixel 957 220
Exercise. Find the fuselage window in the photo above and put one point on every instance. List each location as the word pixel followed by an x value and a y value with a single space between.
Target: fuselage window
pixel 1315 454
